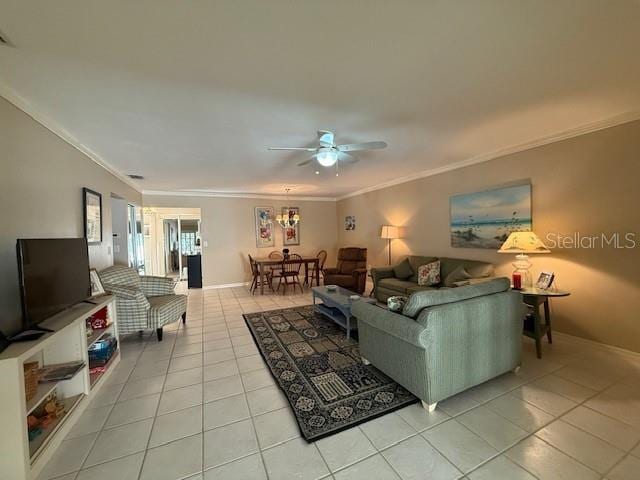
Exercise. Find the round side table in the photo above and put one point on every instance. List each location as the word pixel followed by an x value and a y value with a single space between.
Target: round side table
pixel 535 297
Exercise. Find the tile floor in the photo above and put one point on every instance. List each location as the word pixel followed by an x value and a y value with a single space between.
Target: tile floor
pixel 202 405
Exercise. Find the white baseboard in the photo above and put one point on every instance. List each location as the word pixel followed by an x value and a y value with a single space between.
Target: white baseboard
pixel 591 343
pixel 225 285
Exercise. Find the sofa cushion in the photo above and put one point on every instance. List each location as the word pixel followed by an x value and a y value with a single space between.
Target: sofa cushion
pixel 419 288
pixel 475 268
pixel 421 300
pixel 396 284
pixel 429 274
pixel 458 275
pixel 416 261
pixel 403 270
pixel 472 281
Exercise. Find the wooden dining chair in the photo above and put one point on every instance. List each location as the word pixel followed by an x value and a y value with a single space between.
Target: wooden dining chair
pixel 291 273
pixel 276 270
pixel 322 258
pixel 255 272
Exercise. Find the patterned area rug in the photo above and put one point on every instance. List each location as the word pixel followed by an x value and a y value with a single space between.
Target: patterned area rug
pixel 321 373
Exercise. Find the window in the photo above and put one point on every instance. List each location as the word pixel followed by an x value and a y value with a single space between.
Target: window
pixel 188 242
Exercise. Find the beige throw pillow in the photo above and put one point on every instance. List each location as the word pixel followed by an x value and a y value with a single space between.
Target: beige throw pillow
pixel 429 274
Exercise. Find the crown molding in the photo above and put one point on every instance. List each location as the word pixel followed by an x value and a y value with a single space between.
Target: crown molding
pixel 19 102
pixel 205 193
pixel 591 127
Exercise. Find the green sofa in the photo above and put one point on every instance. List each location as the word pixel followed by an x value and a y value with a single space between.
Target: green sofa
pixel 445 341
pixel 402 279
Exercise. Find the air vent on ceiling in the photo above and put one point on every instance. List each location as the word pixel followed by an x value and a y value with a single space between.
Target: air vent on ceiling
pixel 133 176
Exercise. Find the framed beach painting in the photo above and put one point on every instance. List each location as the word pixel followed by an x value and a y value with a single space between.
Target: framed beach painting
pixel 485 219
pixel 264 227
pixel 291 233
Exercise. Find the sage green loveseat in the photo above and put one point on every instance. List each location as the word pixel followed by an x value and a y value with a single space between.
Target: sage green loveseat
pixel 446 340
pixel 402 279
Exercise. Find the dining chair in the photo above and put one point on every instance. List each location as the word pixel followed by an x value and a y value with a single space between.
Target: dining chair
pixel 322 258
pixel 275 269
pixel 255 272
pixel 291 273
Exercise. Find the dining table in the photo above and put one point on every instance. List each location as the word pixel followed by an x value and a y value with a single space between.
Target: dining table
pixel 264 263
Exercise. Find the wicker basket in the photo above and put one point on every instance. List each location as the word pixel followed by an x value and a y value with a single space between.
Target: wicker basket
pixel 30 379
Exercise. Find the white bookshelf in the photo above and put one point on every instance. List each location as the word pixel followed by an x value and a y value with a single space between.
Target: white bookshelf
pixel 21 459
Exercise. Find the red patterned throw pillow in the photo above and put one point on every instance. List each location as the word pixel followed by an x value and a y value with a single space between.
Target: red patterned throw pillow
pixel 429 274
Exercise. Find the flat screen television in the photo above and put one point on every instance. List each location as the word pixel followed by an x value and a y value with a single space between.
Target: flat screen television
pixel 54 275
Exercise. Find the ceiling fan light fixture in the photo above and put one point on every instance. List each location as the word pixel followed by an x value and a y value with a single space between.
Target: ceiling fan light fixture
pixel 327 157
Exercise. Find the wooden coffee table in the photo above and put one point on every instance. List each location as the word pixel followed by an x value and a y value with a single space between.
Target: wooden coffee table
pixel 336 305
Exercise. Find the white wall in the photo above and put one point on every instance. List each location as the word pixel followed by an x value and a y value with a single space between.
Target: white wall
pixel 227 225
pixel 586 185
pixel 41 180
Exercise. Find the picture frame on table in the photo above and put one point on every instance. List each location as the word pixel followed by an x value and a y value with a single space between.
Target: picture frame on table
pixel 96 285
pixel 545 280
pixel 92 211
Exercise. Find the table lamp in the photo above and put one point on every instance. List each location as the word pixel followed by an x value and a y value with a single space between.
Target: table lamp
pixel 523 244
pixel 389 232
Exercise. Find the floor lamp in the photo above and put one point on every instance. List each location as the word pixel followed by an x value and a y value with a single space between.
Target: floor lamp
pixel 389 232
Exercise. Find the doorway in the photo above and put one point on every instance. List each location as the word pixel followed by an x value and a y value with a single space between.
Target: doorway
pixel 126 227
pixel 171 235
pixel 171 248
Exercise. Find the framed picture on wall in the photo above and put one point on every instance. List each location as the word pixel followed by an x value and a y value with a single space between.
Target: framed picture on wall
pixel 92 210
pixel 291 233
pixel 349 222
pixel 264 227
pixel 485 219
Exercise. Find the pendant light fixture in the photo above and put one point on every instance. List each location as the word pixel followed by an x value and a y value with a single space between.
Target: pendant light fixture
pixel 287 220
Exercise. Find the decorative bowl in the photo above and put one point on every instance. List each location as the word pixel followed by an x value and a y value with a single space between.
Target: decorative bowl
pixel 332 288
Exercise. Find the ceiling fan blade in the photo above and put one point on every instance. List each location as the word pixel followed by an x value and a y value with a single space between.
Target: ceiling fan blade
pixel 305 149
pixel 352 147
pixel 348 158
pixel 325 138
pixel 307 162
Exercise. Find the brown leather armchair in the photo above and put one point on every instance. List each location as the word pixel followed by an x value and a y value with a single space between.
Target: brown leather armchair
pixel 351 271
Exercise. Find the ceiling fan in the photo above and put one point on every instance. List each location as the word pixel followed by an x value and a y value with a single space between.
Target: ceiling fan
pixel 328 154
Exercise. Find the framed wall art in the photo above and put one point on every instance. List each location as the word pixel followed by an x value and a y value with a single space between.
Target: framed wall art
pixel 350 222
pixel 92 210
pixel 485 219
pixel 264 227
pixel 291 232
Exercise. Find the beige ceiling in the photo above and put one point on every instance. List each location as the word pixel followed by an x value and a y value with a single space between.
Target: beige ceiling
pixel 190 93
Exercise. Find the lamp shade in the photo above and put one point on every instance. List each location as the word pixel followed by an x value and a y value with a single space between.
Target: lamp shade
pixel 389 231
pixel 523 242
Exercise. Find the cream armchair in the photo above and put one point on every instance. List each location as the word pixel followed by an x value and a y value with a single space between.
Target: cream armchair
pixel 143 302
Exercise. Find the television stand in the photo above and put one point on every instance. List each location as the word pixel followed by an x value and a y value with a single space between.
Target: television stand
pixel 29 334
pixel 24 455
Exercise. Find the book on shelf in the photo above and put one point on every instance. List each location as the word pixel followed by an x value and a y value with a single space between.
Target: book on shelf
pixel 60 371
